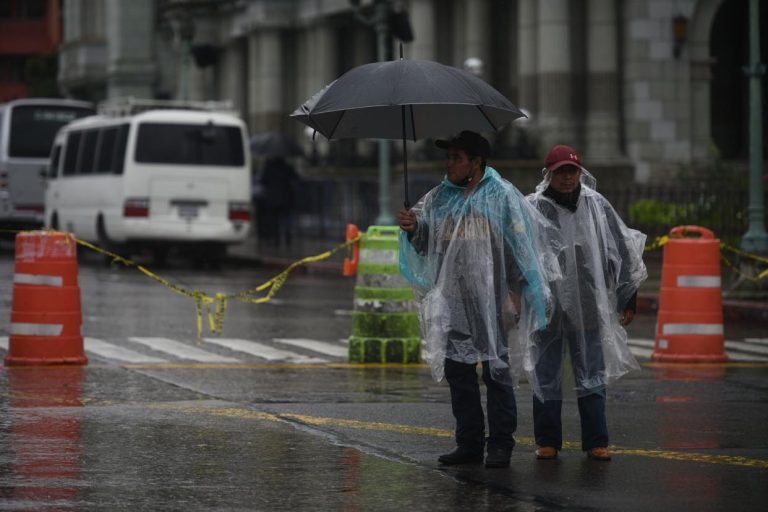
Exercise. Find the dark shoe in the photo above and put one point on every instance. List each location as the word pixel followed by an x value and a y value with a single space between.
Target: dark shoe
pixel 546 453
pixel 461 455
pixel 601 453
pixel 498 457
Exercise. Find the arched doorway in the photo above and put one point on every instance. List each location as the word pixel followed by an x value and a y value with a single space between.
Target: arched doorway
pixel 729 100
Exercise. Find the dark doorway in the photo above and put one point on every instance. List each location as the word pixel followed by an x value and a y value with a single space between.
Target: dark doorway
pixel 729 46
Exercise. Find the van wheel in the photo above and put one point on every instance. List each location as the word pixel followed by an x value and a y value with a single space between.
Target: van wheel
pixel 160 255
pixel 210 256
pixel 104 241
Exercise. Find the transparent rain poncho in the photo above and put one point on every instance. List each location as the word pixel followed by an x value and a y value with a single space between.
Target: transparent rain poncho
pixel 479 274
pixel 602 268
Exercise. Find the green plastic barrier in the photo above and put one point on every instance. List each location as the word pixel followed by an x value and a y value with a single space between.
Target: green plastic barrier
pixel 385 324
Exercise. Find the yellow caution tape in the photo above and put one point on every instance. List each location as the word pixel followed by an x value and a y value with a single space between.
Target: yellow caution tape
pixel 661 241
pixel 761 275
pixel 214 307
pixel 658 243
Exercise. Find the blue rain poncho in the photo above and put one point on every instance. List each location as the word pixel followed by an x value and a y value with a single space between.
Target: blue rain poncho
pixel 479 274
pixel 602 269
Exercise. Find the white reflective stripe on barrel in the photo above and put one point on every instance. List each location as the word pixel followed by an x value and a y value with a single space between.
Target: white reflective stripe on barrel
pixel 698 281
pixel 379 255
pixel 38 279
pixel 692 329
pixel 36 329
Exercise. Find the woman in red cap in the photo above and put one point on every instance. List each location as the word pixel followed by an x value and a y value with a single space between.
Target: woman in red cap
pixel 602 268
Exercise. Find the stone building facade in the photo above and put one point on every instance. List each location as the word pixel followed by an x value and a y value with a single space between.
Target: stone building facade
pixel 653 85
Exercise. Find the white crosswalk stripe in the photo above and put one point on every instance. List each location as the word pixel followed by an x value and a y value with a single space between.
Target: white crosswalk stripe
pixel 748 346
pixel 183 350
pixel 263 351
pixel 322 347
pixel 748 350
pixel 117 352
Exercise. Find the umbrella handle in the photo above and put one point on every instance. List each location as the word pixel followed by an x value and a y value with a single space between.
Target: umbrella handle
pixel 407 202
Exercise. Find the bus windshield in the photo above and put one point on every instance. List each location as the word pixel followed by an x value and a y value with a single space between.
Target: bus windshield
pixel 190 144
pixel 33 128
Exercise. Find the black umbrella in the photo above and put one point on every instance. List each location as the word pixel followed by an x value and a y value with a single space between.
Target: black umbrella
pixel 275 144
pixel 405 99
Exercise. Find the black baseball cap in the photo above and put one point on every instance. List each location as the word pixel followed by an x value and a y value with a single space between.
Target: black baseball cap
pixel 472 143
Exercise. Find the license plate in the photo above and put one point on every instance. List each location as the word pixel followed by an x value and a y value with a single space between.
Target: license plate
pixel 188 211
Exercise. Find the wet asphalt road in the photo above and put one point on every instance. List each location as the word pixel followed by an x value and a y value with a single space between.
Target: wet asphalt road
pixel 281 436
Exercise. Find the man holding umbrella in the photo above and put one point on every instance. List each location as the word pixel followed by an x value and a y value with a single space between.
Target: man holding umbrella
pixel 470 249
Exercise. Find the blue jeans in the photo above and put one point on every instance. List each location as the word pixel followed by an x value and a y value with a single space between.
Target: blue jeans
pixel 548 428
pixel 468 411
pixel 587 362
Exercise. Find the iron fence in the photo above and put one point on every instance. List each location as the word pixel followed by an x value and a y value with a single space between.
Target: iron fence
pixel 327 204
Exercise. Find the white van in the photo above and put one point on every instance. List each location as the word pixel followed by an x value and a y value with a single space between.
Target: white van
pixel 27 129
pixel 156 180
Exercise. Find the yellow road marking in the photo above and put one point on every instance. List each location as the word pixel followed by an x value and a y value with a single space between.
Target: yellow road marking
pixel 307 366
pixel 312 366
pixel 237 412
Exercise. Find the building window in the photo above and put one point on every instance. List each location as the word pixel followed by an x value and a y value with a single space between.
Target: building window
pixel 23 9
pixel 11 68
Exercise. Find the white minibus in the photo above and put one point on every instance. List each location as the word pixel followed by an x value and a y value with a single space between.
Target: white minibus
pixel 27 129
pixel 156 180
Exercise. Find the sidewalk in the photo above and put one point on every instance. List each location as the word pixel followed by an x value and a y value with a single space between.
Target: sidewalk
pixel 257 253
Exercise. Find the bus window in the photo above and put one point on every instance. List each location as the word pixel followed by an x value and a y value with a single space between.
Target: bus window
pixel 87 152
pixel 186 144
pixel 70 154
pixel 53 169
pixel 120 144
pixel 33 128
pixel 106 151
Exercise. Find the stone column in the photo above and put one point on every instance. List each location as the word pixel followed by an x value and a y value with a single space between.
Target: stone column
pixel 422 15
pixel 316 69
pixel 527 57
pixel 555 119
pixel 602 127
pixel 231 82
pixel 130 62
pixel 265 73
pixel 320 52
pixel 476 34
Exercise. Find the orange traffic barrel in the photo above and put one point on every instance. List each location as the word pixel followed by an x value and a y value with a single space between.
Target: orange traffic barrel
pixel 350 265
pixel 689 326
pixel 46 319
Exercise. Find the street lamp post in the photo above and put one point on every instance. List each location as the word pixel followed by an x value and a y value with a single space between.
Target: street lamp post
pixel 380 16
pixel 379 21
pixel 756 238
pixel 186 35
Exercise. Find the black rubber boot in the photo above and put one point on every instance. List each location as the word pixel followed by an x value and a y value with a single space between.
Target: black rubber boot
pixel 462 455
pixel 498 457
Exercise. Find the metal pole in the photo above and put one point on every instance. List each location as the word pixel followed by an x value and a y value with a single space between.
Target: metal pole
pixel 385 217
pixel 756 238
pixel 186 34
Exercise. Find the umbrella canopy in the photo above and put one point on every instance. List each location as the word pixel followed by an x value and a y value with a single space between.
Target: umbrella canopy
pixel 275 144
pixel 411 99
pixel 405 99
